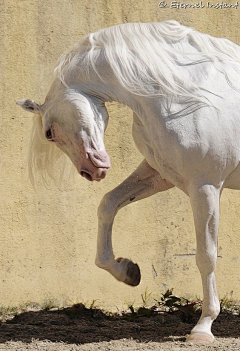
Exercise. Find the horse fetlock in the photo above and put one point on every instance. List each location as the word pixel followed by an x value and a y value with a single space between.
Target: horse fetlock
pixel 132 273
pixel 211 312
pixel 122 269
pixel 202 331
pixel 104 264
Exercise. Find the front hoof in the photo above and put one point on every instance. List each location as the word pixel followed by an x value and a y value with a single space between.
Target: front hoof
pixel 200 338
pixel 133 274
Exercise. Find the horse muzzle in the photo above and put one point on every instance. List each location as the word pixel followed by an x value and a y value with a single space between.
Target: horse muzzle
pixel 97 167
pixel 98 175
pixel 99 159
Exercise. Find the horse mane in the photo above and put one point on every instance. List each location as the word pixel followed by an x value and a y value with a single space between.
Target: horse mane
pixel 146 57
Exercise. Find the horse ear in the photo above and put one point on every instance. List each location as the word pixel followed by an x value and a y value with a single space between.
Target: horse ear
pixel 29 105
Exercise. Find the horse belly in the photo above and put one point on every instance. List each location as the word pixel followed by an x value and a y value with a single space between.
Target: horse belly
pixel 233 180
pixel 192 148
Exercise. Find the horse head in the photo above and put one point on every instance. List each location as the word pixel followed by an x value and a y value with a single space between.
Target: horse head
pixel 75 122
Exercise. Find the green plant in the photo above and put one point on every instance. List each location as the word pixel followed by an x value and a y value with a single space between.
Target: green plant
pixel 229 304
pixel 49 304
pixel 189 309
pixel 146 297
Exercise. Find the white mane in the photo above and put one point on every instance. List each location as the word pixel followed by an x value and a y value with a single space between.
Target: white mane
pixel 146 57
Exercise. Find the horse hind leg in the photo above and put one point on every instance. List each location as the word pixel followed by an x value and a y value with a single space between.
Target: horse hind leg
pixel 205 206
pixel 142 183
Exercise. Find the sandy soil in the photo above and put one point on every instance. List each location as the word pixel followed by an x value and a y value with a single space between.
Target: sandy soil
pixel 77 328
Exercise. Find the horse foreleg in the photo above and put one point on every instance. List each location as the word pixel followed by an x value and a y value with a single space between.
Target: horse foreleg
pixel 142 183
pixel 205 205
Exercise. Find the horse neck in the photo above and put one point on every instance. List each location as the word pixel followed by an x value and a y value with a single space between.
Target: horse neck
pixel 102 85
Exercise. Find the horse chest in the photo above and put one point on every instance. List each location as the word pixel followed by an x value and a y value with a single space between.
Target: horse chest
pixel 144 141
pixel 149 142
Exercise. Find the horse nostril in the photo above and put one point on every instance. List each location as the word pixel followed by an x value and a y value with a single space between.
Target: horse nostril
pixel 86 175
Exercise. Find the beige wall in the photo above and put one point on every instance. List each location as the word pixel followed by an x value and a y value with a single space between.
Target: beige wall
pixel 48 236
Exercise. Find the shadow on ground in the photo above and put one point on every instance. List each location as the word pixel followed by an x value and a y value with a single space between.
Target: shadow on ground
pixel 80 325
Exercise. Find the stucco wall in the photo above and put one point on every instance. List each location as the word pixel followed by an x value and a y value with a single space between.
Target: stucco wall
pixel 48 235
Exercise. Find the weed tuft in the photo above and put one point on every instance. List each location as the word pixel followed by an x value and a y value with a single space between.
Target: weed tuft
pixel 188 311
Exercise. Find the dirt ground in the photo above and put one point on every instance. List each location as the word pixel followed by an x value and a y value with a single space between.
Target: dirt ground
pixel 77 328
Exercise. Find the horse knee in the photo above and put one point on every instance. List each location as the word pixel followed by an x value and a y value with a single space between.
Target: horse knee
pixel 107 206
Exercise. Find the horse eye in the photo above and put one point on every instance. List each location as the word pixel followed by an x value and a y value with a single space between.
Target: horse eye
pixel 49 134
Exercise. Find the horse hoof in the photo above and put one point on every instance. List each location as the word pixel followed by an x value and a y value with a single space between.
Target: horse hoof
pixel 199 338
pixel 133 274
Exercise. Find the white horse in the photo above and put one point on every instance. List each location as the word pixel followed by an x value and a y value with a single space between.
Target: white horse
pixel 183 88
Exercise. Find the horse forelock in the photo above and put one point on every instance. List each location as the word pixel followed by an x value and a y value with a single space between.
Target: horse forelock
pixel 42 154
